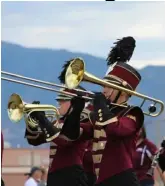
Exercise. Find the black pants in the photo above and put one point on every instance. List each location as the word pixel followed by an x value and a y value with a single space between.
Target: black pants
pixel 126 178
pixel 91 179
pixel 73 176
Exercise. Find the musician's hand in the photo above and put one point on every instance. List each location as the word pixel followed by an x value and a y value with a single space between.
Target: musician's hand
pixel 78 103
pixel 37 115
pixel 99 101
pixel 100 106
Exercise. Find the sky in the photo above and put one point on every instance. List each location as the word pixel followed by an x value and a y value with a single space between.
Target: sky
pixel 88 27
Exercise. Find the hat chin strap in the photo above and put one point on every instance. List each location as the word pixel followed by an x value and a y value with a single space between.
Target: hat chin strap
pixel 117 97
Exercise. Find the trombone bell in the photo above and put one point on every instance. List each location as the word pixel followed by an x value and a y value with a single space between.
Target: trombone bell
pixel 15 108
pixel 75 73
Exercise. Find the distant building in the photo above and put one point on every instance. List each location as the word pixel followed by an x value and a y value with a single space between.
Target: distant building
pixel 17 162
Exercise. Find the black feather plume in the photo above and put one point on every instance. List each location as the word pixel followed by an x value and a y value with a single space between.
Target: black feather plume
pixel 122 51
pixel 61 77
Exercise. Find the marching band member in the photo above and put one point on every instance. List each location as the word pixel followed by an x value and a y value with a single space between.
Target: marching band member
pixel 115 128
pixel 87 159
pixel 66 156
pixel 65 166
pixel 145 150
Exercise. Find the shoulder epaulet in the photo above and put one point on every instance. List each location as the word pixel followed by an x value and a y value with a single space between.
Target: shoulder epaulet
pixel 135 113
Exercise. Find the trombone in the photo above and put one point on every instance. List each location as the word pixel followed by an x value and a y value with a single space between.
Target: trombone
pixel 75 74
pixel 17 109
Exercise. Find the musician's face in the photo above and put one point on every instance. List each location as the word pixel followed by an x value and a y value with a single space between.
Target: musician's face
pixel 63 107
pixel 111 94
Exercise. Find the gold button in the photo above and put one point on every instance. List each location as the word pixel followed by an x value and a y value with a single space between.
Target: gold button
pixel 48 135
pixel 101 119
pixel 100 114
pixel 102 144
pixel 99 111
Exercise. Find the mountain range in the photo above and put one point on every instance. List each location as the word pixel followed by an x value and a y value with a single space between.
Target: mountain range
pixel 46 64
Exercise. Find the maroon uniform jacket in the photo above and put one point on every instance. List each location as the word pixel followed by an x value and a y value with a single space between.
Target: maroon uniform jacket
pixel 114 142
pixel 63 153
pixel 88 160
pixel 143 158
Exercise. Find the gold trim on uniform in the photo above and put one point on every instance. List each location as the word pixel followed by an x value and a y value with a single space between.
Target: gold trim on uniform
pixel 99 146
pixel 53 137
pixel 97 171
pixel 99 133
pixel 53 151
pixel 112 120
pixel 97 158
pixel 132 117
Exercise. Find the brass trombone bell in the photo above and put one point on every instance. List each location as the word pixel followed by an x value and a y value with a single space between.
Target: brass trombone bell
pixel 17 109
pixel 76 73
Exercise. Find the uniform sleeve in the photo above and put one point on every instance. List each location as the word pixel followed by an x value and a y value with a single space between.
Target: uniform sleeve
pixel 126 125
pixel 62 141
pixel 33 136
pixel 86 132
pixel 123 126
